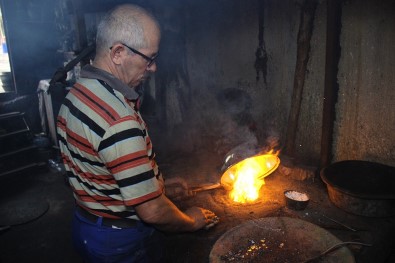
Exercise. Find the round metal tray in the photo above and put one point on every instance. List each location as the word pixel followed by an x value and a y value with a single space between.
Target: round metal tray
pixel 277 239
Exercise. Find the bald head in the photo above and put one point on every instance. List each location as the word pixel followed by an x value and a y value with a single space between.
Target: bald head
pixel 129 24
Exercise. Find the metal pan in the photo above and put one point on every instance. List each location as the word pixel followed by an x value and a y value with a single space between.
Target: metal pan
pixel 263 164
pixel 361 187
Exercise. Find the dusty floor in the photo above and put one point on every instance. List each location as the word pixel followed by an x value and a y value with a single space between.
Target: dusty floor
pixel 47 239
pixel 41 206
pixel 320 211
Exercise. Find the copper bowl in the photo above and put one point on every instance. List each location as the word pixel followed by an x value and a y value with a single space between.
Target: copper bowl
pixel 263 163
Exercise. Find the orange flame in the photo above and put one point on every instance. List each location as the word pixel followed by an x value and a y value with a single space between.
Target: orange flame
pixel 246 178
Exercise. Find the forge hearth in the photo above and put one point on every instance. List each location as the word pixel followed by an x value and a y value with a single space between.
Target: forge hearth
pixel 222 197
pixel 203 168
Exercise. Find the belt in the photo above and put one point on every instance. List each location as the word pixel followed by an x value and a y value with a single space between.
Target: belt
pixel 109 222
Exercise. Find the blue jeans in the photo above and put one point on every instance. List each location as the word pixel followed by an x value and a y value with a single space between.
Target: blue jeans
pixel 103 244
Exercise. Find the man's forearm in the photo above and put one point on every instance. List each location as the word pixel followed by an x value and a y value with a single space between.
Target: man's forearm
pixel 165 215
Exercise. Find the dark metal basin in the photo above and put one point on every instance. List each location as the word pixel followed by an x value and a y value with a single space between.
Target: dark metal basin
pixel 361 187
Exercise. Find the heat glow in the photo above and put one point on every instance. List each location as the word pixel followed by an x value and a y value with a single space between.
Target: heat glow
pixel 247 177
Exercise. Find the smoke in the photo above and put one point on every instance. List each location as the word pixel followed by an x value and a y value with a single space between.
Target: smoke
pixel 238 128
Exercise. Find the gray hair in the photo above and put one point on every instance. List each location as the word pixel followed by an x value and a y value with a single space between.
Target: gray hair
pixel 123 24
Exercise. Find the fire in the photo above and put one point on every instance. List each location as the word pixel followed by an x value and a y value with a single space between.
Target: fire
pixel 246 178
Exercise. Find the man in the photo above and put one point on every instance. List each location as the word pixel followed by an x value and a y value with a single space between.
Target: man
pixel 107 152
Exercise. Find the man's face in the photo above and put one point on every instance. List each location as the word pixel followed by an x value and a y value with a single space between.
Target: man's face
pixel 137 67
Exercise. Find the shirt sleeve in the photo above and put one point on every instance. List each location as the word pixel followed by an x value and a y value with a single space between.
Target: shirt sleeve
pixel 125 149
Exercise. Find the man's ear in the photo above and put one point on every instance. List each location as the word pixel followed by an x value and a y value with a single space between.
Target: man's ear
pixel 116 54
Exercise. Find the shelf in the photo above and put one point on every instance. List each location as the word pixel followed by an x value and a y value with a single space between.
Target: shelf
pixel 10 115
pixel 23 168
pixel 18 151
pixel 13 133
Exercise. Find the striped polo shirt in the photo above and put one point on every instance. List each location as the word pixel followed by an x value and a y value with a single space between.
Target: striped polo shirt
pixel 105 147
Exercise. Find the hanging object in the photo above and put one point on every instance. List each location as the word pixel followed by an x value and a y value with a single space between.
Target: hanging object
pixel 260 54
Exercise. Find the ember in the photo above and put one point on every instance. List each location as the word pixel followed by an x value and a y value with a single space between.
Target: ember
pixel 246 254
pixel 245 179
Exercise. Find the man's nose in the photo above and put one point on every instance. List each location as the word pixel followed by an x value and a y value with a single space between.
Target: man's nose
pixel 152 67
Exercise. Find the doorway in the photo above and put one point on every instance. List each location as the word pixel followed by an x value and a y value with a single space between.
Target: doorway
pixel 6 83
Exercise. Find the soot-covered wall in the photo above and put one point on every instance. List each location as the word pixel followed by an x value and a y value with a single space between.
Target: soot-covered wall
pixel 222 38
pixel 206 95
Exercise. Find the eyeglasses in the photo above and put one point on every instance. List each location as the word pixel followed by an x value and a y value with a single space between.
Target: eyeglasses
pixel 149 60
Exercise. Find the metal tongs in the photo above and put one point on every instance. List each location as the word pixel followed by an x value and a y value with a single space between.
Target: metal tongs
pixel 333 248
pixel 205 187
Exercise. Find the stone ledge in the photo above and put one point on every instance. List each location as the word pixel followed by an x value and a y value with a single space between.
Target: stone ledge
pixel 298 172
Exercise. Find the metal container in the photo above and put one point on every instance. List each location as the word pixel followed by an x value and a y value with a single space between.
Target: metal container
pixel 277 239
pixel 265 163
pixel 361 187
pixel 296 200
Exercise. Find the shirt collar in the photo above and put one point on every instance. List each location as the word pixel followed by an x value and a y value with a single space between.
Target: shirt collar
pixel 91 72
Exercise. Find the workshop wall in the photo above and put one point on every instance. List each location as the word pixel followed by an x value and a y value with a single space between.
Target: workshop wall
pixel 213 91
pixel 366 107
pixel 222 44
pixel 222 37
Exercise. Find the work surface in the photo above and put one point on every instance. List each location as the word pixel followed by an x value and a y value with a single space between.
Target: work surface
pixel 196 247
pixel 48 237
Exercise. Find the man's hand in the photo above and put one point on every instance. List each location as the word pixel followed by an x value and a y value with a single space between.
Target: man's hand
pixel 177 189
pixel 165 215
pixel 203 218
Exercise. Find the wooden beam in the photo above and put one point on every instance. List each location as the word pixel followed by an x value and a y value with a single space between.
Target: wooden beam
pixel 303 48
pixel 333 29
pixel 81 41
